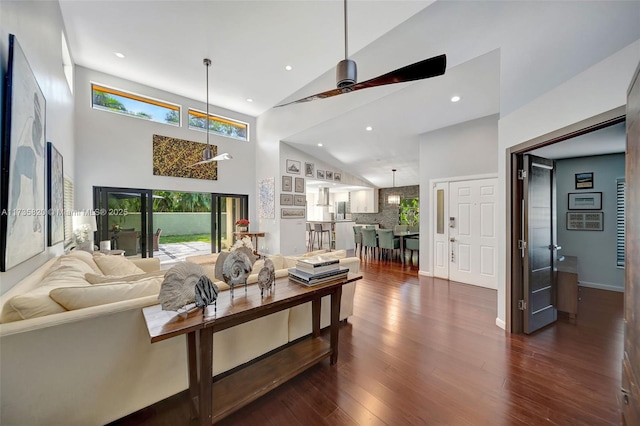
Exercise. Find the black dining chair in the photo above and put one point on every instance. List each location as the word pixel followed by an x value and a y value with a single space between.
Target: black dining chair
pixel 309 237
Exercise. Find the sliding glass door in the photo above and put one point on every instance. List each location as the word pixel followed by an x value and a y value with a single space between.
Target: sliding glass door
pixel 227 209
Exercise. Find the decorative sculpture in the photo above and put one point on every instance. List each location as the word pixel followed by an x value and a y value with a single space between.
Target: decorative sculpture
pixel 236 269
pixel 267 277
pixel 186 283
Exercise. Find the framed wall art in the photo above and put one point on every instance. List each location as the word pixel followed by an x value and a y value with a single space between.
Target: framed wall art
pixel 299 200
pixel 584 180
pixel 585 221
pixel 293 167
pixel 287 183
pixel 55 197
pixel 267 190
pixel 286 199
pixel 337 177
pixel 328 175
pixel 292 213
pixel 22 229
pixel 309 169
pixel 585 200
pixel 320 174
pixel 299 185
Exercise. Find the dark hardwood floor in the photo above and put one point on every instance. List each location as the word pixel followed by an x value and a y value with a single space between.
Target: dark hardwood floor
pixel 426 351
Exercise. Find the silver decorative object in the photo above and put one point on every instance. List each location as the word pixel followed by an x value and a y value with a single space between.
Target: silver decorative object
pixel 267 277
pixel 178 288
pixel 206 293
pixel 236 269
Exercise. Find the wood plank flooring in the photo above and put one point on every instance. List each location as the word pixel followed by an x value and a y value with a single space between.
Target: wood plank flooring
pixel 423 351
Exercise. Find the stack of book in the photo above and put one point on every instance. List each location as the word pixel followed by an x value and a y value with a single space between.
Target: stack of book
pixel 317 270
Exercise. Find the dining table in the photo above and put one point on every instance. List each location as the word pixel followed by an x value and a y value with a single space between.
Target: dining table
pixel 401 236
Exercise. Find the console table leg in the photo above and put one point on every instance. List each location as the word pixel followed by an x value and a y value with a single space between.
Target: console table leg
pixel 335 323
pixel 192 360
pixel 205 359
pixel 315 316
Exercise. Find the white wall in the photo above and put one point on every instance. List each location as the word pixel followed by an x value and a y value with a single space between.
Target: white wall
pixel 598 89
pixel 465 149
pixel 596 250
pixel 38 27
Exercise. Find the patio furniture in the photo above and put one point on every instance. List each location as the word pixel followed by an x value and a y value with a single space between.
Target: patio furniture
pixel 156 239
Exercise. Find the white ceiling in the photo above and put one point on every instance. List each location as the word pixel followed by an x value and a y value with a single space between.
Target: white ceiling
pixel 501 55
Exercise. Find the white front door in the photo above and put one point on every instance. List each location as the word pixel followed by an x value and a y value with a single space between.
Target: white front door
pixel 472 232
pixel 441 251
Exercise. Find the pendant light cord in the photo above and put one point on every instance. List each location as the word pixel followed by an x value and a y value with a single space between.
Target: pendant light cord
pixel 346 32
pixel 207 62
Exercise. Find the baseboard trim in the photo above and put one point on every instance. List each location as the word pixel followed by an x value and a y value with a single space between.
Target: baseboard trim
pixel 501 324
pixel 425 273
pixel 601 286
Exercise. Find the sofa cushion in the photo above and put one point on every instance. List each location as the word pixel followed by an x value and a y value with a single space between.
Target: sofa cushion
pixel 107 279
pixel 100 294
pixel 116 265
pixel 86 257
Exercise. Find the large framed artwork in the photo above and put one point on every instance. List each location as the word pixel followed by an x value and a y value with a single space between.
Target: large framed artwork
pixel 55 195
pixel 22 206
pixel 585 201
pixel 266 209
pixel 178 158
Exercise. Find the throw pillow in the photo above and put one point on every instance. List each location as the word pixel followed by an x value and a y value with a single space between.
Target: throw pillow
pixel 100 294
pixel 116 265
pixel 107 279
pixel 86 257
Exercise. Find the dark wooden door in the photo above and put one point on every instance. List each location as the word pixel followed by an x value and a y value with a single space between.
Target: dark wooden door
pixel 539 226
pixel 631 363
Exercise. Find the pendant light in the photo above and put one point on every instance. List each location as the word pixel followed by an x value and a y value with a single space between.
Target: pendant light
pixel 207 154
pixel 393 198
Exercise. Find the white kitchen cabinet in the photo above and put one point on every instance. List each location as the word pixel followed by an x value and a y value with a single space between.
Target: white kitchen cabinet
pixel 364 201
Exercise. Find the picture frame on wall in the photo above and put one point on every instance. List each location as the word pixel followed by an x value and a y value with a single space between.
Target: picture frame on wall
pixel 293 167
pixel 286 199
pixel 585 221
pixel 299 185
pixel 299 200
pixel 585 201
pixel 320 174
pixel 328 175
pixel 55 196
pixel 287 183
pixel 287 213
pixel 584 180
pixel 337 177
pixel 23 159
pixel 309 169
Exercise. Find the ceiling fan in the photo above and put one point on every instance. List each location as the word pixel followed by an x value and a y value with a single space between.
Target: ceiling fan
pixel 346 73
pixel 207 154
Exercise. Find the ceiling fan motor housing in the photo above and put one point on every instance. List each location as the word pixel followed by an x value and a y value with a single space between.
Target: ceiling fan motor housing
pixel 207 154
pixel 346 73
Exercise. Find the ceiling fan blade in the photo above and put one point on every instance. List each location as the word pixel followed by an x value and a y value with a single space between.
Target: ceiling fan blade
pixel 426 68
pixel 221 157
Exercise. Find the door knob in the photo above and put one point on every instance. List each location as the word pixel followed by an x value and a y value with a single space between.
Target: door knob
pixel 452 239
pixel 555 247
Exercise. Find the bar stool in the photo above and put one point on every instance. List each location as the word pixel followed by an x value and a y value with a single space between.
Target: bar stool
pixel 319 232
pixel 309 237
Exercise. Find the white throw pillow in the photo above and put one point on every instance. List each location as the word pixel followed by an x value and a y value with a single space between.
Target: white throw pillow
pixel 116 265
pixel 108 279
pixel 86 257
pixel 100 294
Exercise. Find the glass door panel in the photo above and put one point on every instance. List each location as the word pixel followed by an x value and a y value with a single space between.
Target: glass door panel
pixel 227 210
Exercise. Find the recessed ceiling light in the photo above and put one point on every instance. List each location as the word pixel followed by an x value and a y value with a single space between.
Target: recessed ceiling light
pixel 368 128
pixel 288 68
pixel 249 100
pixel 319 144
pixel 119 55
pixel 455 98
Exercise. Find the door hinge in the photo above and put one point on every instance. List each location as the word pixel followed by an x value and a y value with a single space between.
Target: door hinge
pixel 522 174
pixel 522 245
pixel 522 305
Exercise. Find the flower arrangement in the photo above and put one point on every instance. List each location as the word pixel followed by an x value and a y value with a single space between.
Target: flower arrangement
pixel 115 228
pixel 242 222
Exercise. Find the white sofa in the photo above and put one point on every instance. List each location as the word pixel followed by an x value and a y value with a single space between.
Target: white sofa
pixel 93 365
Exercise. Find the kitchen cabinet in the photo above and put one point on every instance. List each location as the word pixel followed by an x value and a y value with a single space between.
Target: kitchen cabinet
pixel 364 201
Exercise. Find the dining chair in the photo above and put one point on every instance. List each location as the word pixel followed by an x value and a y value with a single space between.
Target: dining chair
pixel 309 237
pixel 357 237
pixel 369 240
pixel 412 244
pixel 319 231
pixel 400 228
pixel 387 242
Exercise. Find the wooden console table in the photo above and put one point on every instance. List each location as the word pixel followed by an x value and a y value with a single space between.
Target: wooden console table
pixel 243 386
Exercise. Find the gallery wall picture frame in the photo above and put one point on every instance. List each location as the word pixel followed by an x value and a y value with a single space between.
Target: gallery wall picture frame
pixel 293 167
pixel 22 236
pixel 299 185
pixel 320 174
pixel 55 196
pixel 299 200
pixel 328 175
pixel 584 180
pixel 309 169
pixel 337 177
pixel 585 201
pixel 286 199
pixel 267 191
pixel 585 221
pixel 287 213
pixel 287 183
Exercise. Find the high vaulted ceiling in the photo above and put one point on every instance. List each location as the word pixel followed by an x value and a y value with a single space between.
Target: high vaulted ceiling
pixel 501 55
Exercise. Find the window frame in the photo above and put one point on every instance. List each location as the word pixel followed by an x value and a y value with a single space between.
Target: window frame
pixel 138 98
pixel 219 118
